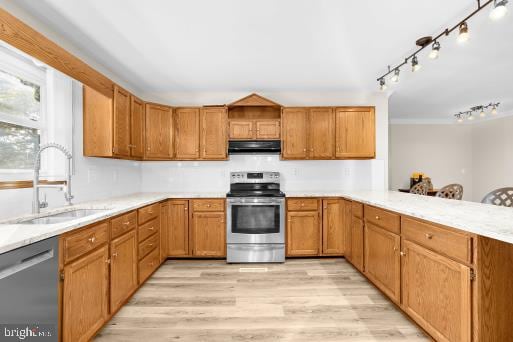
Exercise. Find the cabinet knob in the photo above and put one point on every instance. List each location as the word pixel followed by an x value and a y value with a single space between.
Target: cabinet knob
pixel 92 239
pixel 115 254
pixel 127 223
pixel 150 245
pixel 395 248
pixel 377 217
pixel 304 150
pixel 429 236
pixel 151 228
pixel 107 261
pixel 185 208
pixel 208 205
pixel 403 253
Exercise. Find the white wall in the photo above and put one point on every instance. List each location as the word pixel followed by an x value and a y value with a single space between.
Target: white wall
pixel 479 155
pixel 93 178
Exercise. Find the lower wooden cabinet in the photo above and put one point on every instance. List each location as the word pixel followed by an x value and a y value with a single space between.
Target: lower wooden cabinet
pixel 85 296
pixel 123 269
pixel 347 230
pixel 303 233
pixel 208 234
pixel 164 230
pixel 437 293
pixel 357 243
pixel 383 260
pixel 178 228
pixel 333 211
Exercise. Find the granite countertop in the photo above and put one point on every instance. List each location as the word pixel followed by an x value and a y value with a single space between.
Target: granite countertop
pixel 482 219
pixel 14 234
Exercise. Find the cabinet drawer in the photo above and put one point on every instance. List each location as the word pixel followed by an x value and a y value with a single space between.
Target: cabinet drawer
pixel 148 245
pixel 83 241
pixel 208 205
pixel 148 229
pixel 148 264
pixel 385 219
pixel 445 241
pixel 121 225
pixel 149 212
pixel 300 204
pixel 357 209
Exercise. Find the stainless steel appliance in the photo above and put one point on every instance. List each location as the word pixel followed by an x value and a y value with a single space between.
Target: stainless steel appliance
pixel 29 279
pixel 254 147
pixel 255 218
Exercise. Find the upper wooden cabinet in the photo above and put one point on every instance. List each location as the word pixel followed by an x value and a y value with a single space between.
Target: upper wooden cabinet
pixel 294 132
pixel 263 129
pixel 158 132
pixel 321 133
pixel 213 141
pixel 98 123
pixel 187 132
pixel 136 127
pixel 355 132
pixel 121 122
pixel 241 129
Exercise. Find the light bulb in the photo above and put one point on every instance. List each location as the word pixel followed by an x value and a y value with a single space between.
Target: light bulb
pixel 460 119
pixel 382 84
pixel 471 117
pixel 395 77
pixel 494 110
pixel 435 51
pixel 463 35
pixel 415 66
pixel 499 10
pixel 482 113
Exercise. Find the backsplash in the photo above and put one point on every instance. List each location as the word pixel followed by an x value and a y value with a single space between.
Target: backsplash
pixel 295 175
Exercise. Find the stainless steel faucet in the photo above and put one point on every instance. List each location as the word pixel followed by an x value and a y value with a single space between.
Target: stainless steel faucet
pixel 36 204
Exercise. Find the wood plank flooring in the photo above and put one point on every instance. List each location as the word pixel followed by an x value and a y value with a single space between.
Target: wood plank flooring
pixel 301 300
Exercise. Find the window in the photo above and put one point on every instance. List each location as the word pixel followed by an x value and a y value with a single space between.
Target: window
pixel 22 110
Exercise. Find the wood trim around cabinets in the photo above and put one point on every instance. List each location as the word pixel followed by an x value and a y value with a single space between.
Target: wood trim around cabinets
pixel 23 184
pixel 25 38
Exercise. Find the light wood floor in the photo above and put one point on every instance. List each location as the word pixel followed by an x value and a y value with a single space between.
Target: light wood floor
pixel 301 300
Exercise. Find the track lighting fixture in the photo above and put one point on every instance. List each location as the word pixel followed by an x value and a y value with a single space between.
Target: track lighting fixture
pixel 481 109
pixel 395 77
pixel 382 84
pixel 499 9
pixel 435 51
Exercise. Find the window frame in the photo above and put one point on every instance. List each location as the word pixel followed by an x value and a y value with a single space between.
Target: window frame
pixel 26 69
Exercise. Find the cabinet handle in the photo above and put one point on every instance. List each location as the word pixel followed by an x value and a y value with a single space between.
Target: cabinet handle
pixel 148 148
pixel 377 217
pixel 150 245
pixel 429 236
pixel 150 211
pixel 304 150
pixel 395 248
pixel 403 253
pixel 107 261
pixel 151 228
pixel 127 223
pixel 132 146
pixel 92 239
pixel 208 205
pixel 115 254
pixel 185 208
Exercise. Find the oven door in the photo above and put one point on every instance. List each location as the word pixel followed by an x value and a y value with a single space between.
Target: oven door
pixel 255 220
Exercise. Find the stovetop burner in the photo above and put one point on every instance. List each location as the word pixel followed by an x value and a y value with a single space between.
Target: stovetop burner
pixel 255 184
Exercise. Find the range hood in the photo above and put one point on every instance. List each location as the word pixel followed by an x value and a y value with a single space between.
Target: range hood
pixel 254 147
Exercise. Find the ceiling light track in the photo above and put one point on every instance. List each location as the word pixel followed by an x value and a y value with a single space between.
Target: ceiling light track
pixel 498 11
pixel 481 109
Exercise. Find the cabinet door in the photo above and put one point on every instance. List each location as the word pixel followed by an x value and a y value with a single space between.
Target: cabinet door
pixel 123 269
pixel 357 243
pixel 136 128
pixel 121 122
pixel 164 230
pixel 333 227
pixel 213 133
pixel 436 293
pixel 268 129
pixel 208 234
pixel 85 296
pixel 159 132
pixel 303 233
pixel 383 261
pixel 241 130
pixel 187 130
pixel 98 123
pixel 178 228
pixel 347 230
pixel 294 133
pixel 355 133
pixel 322 133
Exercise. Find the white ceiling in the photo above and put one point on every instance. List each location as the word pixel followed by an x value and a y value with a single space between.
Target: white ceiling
pixel 163 46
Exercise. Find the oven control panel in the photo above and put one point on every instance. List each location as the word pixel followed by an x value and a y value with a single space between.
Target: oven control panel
pixel 255 177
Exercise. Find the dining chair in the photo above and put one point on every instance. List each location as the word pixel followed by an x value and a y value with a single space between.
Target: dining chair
pixel 420 188
pixel 502 197
pixel 451 191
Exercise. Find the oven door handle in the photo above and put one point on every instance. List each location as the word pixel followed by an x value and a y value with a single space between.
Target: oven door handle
pixel 258 203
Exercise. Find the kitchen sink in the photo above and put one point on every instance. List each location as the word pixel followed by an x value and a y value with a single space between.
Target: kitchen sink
pixel 63 217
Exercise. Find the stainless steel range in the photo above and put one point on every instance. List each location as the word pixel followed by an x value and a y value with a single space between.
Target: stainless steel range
pixel 256 218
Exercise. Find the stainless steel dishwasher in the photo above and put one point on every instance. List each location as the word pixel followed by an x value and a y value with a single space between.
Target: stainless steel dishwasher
pixel 29 279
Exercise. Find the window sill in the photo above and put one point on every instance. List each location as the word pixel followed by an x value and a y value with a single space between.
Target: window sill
pixel 23 184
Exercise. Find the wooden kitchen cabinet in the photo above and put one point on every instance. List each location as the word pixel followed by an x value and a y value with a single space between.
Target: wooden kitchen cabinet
pixel 208 234
pixel 436 293
pixel 187 132
pixel 333 211
pixel 347 230
pixel 303 233
pixel 241 129
pixel 213 144
pixel 355 132
pixel 164 230
pixel 98 123
pixel 158 132
pixel 267 129
pixel 85 296
pixel 123 269
pixel 121 130
pixel 247 129
pixel 178 228
pixel 357 243
pixel 321 133
pixel 294 133
pixel 136 127
pixel 383 260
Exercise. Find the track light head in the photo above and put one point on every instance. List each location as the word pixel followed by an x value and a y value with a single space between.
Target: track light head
pixel 499 9
pixel 435 51
pixel 463 33
pixel 470 117
pixel 460 119
pixel 395 76
pixel 494 109
pixel 415 66
pixel 382 84
pixel 482 113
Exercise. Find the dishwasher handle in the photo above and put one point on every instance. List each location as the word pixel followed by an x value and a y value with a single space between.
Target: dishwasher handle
pixel 25 263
